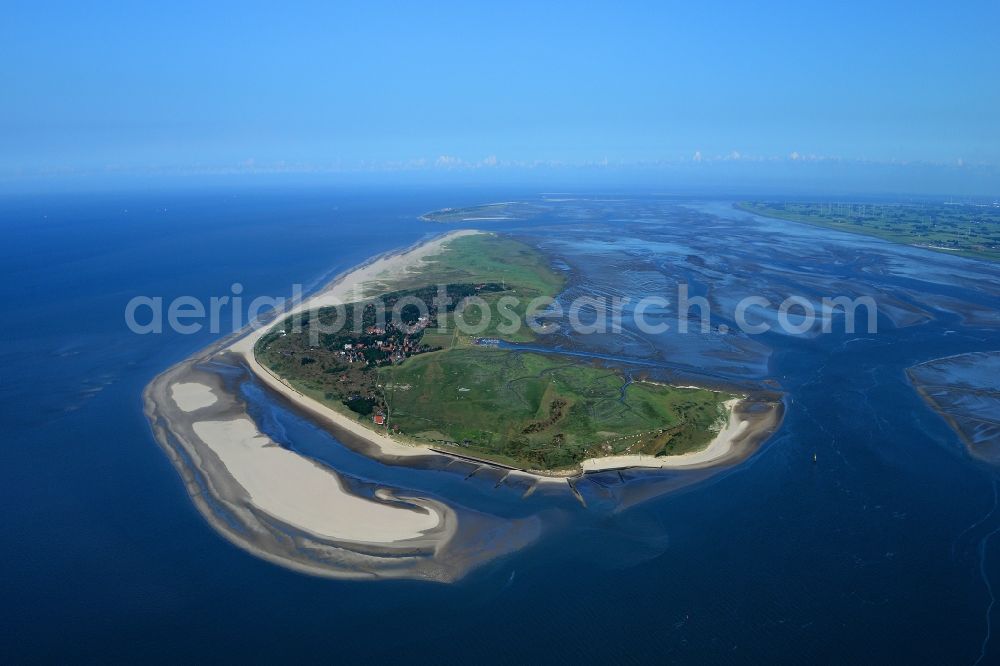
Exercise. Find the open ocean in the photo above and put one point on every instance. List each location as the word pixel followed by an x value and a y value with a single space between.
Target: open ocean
pixel 880 551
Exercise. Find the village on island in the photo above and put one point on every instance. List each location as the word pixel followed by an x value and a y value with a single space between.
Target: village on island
pixel 368 335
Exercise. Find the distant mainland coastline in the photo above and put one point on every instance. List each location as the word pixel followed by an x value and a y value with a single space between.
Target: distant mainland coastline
pixel 962 229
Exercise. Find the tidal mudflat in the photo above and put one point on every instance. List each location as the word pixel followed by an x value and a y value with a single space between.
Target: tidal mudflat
pixel 965 390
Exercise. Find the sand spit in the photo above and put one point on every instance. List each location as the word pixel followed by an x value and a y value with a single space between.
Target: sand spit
pixel 305 494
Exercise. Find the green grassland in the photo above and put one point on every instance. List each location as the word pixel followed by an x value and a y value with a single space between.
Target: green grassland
pixel 434 386
pixel 966 230
pixel 489 258
pixel 542 412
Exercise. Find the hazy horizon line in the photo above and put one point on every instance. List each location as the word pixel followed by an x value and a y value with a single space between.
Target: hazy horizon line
pixel 741 174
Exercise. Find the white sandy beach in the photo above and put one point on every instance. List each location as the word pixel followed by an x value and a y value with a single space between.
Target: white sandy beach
pixel 303 493
pixel 190 396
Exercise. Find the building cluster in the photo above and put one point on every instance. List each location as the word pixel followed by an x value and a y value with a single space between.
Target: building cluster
pixel 381 343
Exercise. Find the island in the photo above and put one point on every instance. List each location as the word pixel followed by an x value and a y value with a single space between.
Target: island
pixel 965 229
pixel 411 390
pixel 492 212
pixel 419 379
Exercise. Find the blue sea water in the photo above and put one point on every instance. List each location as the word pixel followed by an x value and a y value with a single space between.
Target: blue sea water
pixel 877 552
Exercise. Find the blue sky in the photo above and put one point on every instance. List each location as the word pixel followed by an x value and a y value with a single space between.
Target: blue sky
pixel 475 87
